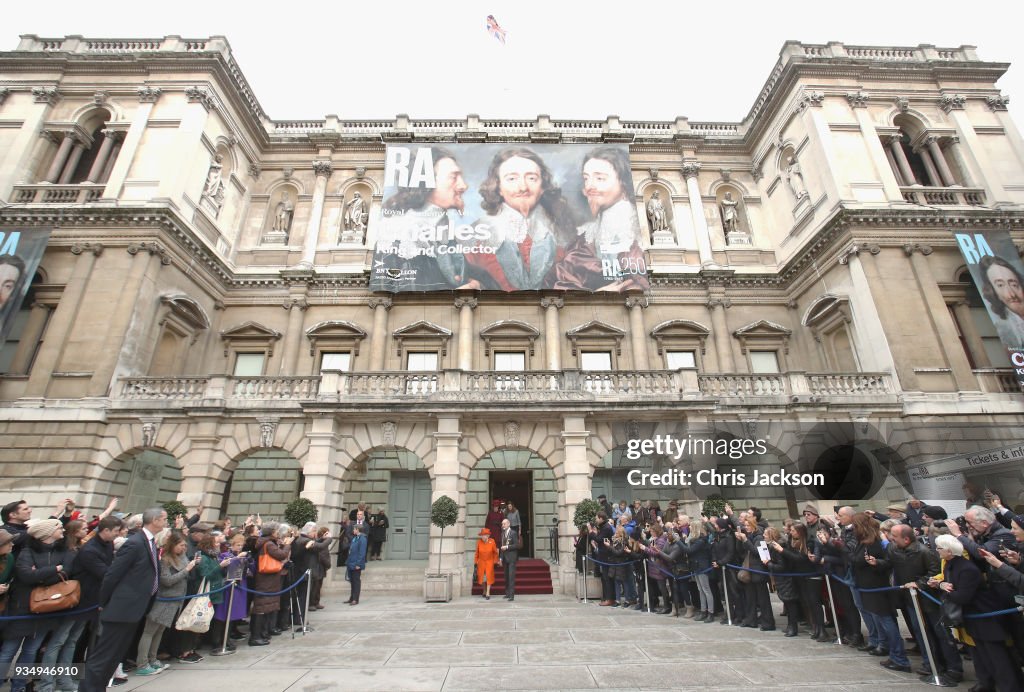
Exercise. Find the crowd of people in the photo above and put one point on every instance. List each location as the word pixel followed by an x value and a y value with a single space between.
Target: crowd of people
pixel 853 570
pixel 136 574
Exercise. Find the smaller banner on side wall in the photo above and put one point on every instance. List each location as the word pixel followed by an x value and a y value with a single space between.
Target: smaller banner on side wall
pixel 998 273
pixel 21 250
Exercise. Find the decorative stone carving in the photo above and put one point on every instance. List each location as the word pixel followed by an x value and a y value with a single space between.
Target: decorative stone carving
pixel 95 248
pixel 909 249
pixel 355 219
pixel 322 168
pixel 730 213
pixel 287 172
pixel 633 430
pixel 213 189
pixel 99 98
pixel 268 429
pixel 47 95
pixel 375 303
pixel 726 174
pixel 152 249
pixel 299 303
pixel 857 99
pixel 810 98
pixel 654 172
pixel 795 178
pixel 637 301
pixel 552 302
pixel 471 303
pixel 757 172
pixel 283 214
pixel 360 172
pixel 950 102
pixel 255 170
pixel 656 215
pixel 388 433
pixel 995 103
pixel 856 249
pixel 196 94
pixel 511 434
pixel 691 169
pixel 150 426
pixel 902 103
pixel 718 302
pixel 148 94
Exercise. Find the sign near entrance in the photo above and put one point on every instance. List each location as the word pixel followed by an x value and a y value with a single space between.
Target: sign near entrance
pixel 21 250
pixel 508 217
pixel 998 273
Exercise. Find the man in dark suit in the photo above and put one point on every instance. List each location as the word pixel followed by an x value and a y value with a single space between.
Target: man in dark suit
pixel 508 552
pixel 91 565
pixel 126 594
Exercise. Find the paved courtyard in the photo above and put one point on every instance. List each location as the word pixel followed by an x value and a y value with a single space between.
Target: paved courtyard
pixel 536 643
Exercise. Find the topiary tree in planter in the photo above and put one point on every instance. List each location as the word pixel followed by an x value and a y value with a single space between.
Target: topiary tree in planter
pixel 443 513
pixel 175 508
pixel 714 506
pixel 299 511
pixel 586 510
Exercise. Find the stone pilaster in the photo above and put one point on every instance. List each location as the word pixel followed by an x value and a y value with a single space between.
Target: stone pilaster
pixel 637 332
pixel 322 169
pixel 322 483
pixel 868 332
pixel 379 337
pixel 465 306
pixel 447 474
pixel 691 169
pixel 296 306
pixel 552 332
pixel 122 160
pixel 723 338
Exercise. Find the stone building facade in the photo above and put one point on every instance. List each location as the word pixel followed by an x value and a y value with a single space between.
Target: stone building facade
pixel 200 327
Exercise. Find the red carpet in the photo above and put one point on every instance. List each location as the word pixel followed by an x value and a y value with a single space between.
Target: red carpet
pixel 532 577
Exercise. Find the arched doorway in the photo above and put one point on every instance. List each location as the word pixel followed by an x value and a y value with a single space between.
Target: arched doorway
pixel 523 477
pixel 148 478
pixel 394 479
pixel 263 482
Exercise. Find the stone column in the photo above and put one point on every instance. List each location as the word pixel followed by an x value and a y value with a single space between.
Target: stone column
pixel 322 483
pixel 578 475
pixel 881 157
pixel 379 337
pixel 76 155
pixel 723 339
pixel 447 481
pixel 63 318
pixel 125 155
pixel 894 168
pixel 552 332
pixel 940 160
pixel 958 155
pixel 901 160
pixel 323 173
pixel 637 331
pixel 868 333
pixel 148 257
pixel 296 306
pixel 962 310
pixel 59 159
pixel 100 162
pixel 942 321
pixel 929 167
pixel 691 169
pixel 29 338
pixel 465 307
pixel 111 160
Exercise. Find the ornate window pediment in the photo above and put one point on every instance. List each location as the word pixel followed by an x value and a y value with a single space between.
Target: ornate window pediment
pixel 335 335
pixel 763 336
pixel 596 334
pixel 423 333
pixel 680 334
pixel 250 335
pixel 824 312
pixel 509 334
pixel 186 310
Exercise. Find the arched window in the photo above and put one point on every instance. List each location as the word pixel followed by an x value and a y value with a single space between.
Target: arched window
pixel 84 154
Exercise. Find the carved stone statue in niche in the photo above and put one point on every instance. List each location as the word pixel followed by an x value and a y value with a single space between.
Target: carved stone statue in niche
pixel 355 219
pixel 730 213
pixel 213 189
pixel 656 215
pixel 283 214
pixel 795 178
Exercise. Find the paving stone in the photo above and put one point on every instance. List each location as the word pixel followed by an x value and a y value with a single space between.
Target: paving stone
pixel 370 680
pixel 652 676
pixel 520 677
pixel 557 654
pixel 516 637
pixel 455 656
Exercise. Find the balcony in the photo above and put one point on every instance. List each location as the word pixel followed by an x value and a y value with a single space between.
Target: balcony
pixel 997 381
pixel 57 194
pixel 546 388
pixel 944 196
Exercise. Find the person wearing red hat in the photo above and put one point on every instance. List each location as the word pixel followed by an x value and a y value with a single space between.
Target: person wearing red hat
pixel 486 556
pixel 494 519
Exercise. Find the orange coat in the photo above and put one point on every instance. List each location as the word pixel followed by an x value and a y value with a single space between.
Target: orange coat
pixel 486 556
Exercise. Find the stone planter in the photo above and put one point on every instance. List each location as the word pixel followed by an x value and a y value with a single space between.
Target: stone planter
pixel 437 588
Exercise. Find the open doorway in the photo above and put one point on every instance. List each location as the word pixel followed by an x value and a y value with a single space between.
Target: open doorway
pixel 517 487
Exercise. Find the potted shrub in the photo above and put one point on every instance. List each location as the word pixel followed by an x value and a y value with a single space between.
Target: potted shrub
pixel 300 511
pixel 443 513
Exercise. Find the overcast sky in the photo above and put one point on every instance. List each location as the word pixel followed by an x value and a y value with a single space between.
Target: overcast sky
pixel 649 61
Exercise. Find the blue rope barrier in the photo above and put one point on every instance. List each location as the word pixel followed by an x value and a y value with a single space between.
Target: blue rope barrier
pixel 298 581
pixel 775 574
pixel 615 564
pixel 58 614
pixel 188 597
pixel 684 577
pixel 973 616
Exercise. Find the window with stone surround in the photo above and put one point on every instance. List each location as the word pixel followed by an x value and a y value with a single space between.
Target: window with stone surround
pixel 765 344
pixel 681 337
pixel 830 320
pixel 249 338
pixel 338 341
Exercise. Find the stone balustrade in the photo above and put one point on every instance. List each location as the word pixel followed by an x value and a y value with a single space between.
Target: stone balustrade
pixel 382 388
pixel 997 380
pixel 944 196
pixel 57 194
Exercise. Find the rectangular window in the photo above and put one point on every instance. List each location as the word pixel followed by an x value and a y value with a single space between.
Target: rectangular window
pixel 505 363
pixel 592 363
pixel 425 363
pixel 335 361
pixel 680 359
pixel 596 360
pixel 249 364
pixel 764 361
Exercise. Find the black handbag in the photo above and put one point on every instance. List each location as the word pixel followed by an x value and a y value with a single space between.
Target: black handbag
pixel 952 614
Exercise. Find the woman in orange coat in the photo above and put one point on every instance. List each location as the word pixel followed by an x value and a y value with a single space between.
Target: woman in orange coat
pixel 486 556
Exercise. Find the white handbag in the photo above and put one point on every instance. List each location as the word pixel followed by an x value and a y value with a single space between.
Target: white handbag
pixel 197 614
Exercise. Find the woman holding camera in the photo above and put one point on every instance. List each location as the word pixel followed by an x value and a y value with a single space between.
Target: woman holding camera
pixel 872 570
pixel 756 600
pixel 275 544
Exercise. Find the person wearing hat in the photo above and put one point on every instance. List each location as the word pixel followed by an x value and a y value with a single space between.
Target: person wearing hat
pixel 485 559
pixel 42 562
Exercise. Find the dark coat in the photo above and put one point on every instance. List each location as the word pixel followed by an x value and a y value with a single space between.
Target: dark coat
pixel 699 553
pixel 724 550
pixel 36 566
pixel 357 554
pixel 127 589
pixel 265 605
pixel 872 577
pixel 970 591
pixel 20 533
pixel 91 564
pixel 794 562
pixel 753 540
pixel 994 539
pixel 379 526
pixel 677 559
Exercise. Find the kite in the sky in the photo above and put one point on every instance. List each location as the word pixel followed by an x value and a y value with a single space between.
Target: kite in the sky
pixel 494 29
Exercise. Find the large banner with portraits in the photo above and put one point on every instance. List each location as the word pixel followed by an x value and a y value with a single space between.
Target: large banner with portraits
pixel 21 250
pixel 508 217
pixel 998 273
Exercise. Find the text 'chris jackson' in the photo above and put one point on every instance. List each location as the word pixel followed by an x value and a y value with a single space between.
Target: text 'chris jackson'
pixel 711 477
